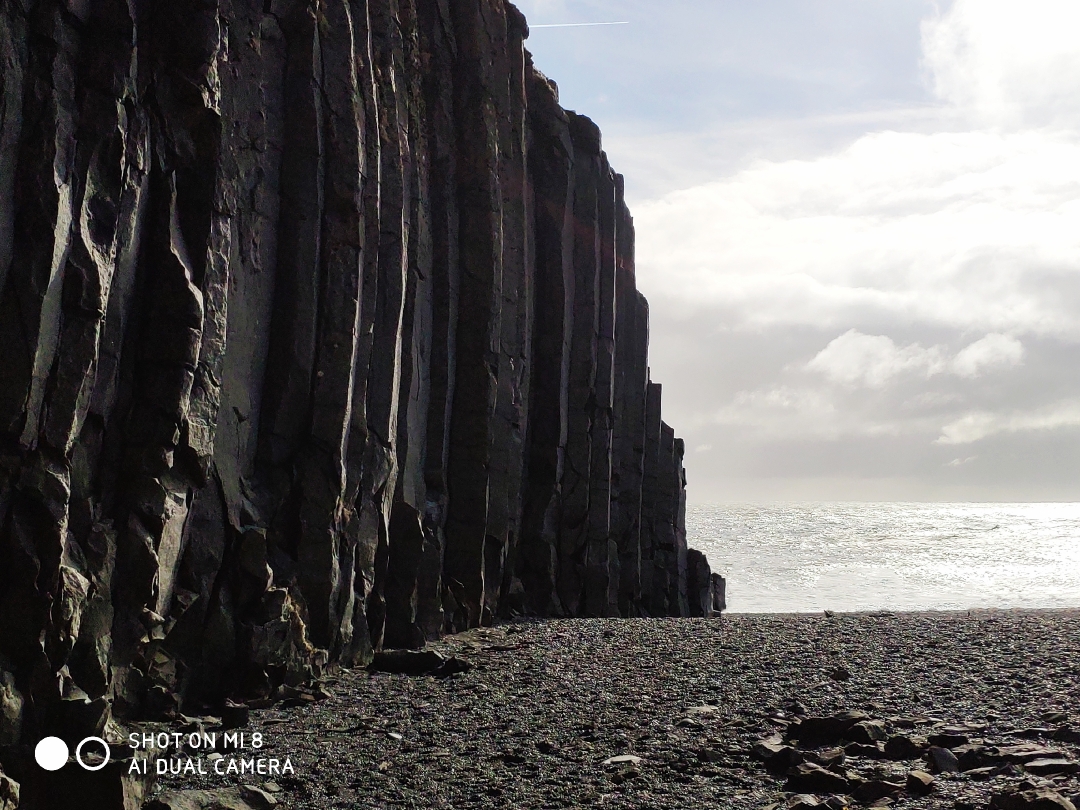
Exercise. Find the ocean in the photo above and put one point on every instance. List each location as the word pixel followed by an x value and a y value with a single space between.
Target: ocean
pixel 810 557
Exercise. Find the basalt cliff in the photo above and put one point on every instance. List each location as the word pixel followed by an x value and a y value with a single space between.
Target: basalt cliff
pixel 319 334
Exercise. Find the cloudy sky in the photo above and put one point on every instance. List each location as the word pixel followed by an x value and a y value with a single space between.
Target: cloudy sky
pixel 859 230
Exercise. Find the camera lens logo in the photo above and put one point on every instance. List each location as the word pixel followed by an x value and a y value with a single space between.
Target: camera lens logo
pixel 52 754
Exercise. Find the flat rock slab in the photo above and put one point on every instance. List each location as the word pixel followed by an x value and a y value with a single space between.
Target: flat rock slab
pixel 624 759
pixel 1023 753
pixel 1049 767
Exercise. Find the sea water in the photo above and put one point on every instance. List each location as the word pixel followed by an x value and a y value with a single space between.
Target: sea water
pixel 892 556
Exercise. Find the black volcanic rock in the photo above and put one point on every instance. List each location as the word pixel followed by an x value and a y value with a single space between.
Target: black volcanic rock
pixel 810 778
pixel 319 334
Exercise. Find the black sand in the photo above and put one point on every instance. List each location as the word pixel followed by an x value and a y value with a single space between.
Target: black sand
pixel 546 703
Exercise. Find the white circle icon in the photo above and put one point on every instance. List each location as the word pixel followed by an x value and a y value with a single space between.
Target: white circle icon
pixel 78 753
pixel 51 753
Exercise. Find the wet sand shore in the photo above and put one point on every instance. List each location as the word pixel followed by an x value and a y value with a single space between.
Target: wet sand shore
pixel 701 713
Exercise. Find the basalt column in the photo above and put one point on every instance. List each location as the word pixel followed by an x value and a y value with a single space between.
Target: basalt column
pixel 602 555
pixel 511 417
pixel 665 584
pixel 413 554
pixel 628 440
pixel 481 92
pixel 435 61
pixel 653 574
pixel 551 173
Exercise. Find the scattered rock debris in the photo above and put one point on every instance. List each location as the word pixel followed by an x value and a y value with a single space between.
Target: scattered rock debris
pixel 695 714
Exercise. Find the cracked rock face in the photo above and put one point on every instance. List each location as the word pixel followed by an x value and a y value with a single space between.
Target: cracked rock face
pixel 319 334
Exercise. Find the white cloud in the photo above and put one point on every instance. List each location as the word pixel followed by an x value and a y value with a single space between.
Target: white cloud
pixel 964 230
pixel 1008 62
pixel 990 351
pixel 872 360
pixel 977 425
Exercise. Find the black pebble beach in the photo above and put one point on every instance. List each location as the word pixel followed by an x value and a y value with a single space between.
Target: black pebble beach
pixel 691 713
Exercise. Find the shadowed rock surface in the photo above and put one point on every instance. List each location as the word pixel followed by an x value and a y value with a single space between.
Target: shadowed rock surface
pixel 319 334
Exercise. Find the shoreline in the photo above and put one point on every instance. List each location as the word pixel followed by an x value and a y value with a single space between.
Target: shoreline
pixel 922 612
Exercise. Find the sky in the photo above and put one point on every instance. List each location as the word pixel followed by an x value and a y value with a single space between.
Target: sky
pixel 858 227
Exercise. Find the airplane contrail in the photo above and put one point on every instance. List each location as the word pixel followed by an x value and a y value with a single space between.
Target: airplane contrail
pixel 579 25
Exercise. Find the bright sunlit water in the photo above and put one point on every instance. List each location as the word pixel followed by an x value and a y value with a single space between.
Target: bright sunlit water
pixel 894 556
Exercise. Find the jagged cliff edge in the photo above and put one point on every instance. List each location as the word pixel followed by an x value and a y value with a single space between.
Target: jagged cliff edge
pixel 318 333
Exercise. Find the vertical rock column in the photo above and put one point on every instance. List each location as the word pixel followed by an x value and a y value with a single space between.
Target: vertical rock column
pixel 665 550
pixel 602 556
pixel 653 576
pixel 677 600
pixel 438 44
pixel 479 95
pixel 397 185
pixel 628 441
pixel 511 416
pixel 551 185
pixel 581 390
pixel 412 551
pixel 700 585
